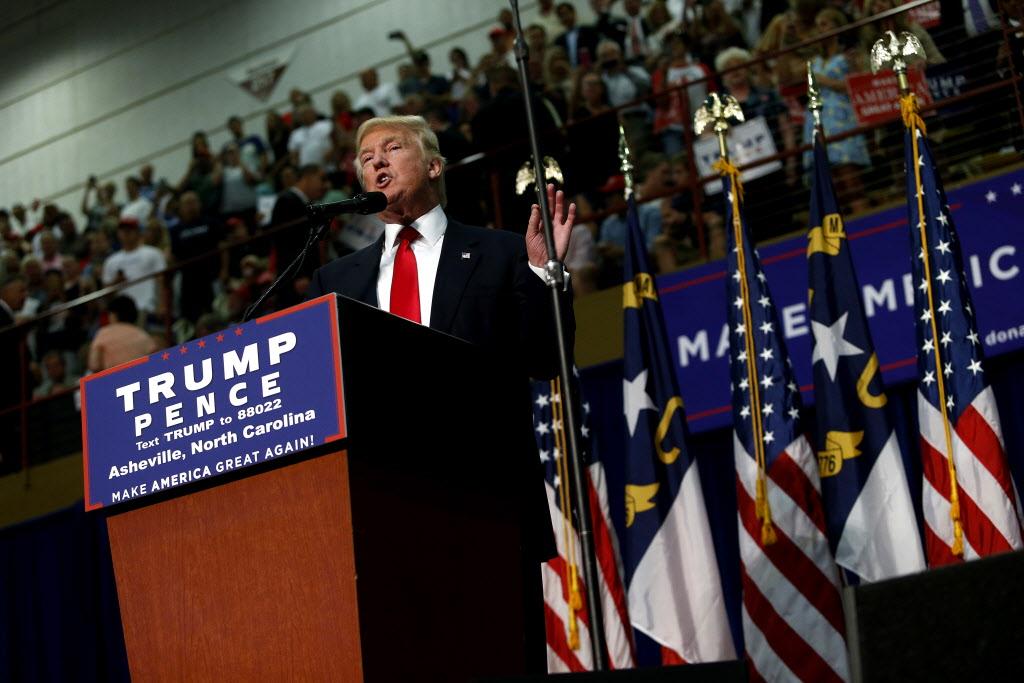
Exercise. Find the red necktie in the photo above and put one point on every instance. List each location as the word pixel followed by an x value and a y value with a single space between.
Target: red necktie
pixel 405 285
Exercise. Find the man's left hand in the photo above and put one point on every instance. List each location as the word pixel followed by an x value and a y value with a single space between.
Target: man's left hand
pixel 561 221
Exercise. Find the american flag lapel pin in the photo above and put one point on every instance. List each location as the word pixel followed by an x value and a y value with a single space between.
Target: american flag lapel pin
pixel 465 254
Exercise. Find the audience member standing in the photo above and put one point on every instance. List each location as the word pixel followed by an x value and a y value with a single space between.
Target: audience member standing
pixel 196 233
pixel 310 142
pixel 120 340
pixel 675 109
pixel 137 206
pixel 290 207
pixel 135 260
pixel 382 98
pixel 579 42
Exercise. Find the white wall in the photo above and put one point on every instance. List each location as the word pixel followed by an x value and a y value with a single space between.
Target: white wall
pixel 101 86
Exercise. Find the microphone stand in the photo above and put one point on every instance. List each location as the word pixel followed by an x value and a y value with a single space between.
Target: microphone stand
pixel 315 234
pixel 555 279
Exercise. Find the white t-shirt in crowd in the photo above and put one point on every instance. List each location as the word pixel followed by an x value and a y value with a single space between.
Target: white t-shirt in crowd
pixel 142 261
pixel 312 143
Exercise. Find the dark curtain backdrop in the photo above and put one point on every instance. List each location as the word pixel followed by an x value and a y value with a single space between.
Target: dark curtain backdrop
pixel 58 600
pixel 61 620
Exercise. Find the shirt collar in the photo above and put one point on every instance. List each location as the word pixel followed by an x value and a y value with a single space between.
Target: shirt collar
pixel 300 193
pixel 430 225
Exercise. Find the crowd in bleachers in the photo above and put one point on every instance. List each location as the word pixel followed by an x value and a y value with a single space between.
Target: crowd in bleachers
pixel 646 64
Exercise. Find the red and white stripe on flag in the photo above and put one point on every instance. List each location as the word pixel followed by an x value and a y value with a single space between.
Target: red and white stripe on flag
pixel 618 635
pixel 988 510
pixel 792 611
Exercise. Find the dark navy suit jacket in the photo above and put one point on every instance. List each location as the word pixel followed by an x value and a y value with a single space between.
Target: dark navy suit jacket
pixel 485 293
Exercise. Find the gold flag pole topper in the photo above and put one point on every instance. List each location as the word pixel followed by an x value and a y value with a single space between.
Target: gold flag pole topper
pixel 716 112
pixel 814 99
pixel 898 52
pixel 625 165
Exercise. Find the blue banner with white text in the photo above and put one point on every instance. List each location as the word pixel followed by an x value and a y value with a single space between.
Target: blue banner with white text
pixel 245 395
pixel 987 214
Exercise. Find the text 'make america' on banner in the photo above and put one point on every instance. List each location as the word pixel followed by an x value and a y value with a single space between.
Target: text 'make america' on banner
pixel 987 214
pixel 245 395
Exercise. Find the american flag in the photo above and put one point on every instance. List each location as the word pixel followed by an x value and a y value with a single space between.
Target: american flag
pixel 674 587
pixel 970 504
pixel 869 513
pixel 792 614
pixel 565 616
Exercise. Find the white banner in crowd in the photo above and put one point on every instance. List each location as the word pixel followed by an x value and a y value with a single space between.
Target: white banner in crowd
pixel 748 142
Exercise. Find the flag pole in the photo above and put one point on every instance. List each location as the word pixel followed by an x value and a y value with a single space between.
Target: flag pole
pixel 814 101
pixel 555 280
pixel 717 110
pixel 897 52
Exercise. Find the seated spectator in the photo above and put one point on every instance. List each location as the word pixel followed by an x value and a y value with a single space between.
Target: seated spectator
pixel 678 245
pixel 35 277
pixel 120 340
pixel 56 377
pixel 847 157
pixel 626 84
pixel 674 112
pixel 653 176
pixel 135 260
pixel 137 206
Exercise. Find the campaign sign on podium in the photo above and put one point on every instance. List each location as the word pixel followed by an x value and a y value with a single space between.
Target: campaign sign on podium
pixel 255 392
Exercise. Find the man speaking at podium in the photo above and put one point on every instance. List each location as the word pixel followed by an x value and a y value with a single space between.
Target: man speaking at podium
pixel 483 286
pixel 472 283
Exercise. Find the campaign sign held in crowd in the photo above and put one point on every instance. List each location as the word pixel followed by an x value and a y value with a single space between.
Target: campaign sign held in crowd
pixel 252 393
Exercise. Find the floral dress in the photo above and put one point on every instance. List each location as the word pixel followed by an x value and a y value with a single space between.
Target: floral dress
pixel 836 117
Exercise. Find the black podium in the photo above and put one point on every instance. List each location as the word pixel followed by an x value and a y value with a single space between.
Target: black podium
pixel 397 553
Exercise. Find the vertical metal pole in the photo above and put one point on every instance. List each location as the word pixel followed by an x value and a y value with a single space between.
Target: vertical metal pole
pixel 556 282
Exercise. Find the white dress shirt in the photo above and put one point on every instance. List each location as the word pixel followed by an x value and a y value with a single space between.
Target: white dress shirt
pixel 426 249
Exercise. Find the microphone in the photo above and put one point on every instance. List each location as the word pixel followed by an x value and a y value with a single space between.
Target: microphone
pixel 366 203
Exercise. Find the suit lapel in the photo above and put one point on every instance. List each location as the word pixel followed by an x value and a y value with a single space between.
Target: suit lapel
pixel 365 269
pixel 453 272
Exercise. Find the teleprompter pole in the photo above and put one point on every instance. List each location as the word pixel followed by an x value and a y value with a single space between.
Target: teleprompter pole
pixel 555 278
